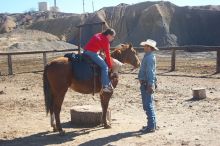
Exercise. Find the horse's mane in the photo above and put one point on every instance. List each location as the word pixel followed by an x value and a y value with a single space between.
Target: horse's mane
pixel 117 48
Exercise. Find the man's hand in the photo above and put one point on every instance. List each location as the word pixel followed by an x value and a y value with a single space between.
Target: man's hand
pixel 109 70
pixel 150 89
pixel 156 86
pixel 102 54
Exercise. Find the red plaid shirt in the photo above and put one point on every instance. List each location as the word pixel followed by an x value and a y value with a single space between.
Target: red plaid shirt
pixel 99 42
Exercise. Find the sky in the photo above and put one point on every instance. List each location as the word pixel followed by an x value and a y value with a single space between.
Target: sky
pixel 76 6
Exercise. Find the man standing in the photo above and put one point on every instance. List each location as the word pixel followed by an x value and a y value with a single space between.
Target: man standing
pixel 147 78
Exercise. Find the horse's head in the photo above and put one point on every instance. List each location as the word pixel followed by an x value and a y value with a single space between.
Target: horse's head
pixel 126 54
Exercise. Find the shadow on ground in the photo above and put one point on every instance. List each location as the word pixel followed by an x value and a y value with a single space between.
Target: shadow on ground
pixel 48 138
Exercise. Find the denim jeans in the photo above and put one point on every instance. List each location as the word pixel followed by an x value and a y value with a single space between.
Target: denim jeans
pixel 101 63
pixel 148 106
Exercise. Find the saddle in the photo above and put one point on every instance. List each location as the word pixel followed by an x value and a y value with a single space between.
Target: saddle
pixel 84 68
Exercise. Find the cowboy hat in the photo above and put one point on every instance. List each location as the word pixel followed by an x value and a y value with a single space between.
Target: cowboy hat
pixel 151 43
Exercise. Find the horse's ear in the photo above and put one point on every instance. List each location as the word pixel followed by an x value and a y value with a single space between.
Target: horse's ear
pixel 124 47
pixel 119 46
pixel 130 45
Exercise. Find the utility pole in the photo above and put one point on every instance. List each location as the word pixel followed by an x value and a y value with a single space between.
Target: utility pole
pixel 93 6
pixel 55 3
pixel 83 6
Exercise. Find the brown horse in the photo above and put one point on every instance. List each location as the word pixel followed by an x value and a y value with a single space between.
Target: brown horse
pixel 58 77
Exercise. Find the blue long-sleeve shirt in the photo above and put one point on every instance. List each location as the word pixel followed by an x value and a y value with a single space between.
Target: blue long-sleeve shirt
pixel 147 70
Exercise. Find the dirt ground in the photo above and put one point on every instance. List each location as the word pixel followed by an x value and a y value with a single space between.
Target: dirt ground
pixel 180 120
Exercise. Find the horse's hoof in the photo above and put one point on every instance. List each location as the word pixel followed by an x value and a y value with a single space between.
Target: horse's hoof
pixel 62 133
pixel 55 129
pixel 107 126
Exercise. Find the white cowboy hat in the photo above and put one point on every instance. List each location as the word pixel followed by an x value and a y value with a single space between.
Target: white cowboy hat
pixel 151 43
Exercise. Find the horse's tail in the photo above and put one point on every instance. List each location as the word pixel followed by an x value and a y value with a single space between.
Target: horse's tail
pixel 47 91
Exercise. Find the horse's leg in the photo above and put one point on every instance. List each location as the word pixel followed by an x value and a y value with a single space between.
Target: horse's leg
pixel 57 108
pixel 104 103
pixel 52 120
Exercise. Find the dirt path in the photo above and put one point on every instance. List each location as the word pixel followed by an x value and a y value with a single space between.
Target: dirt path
pixel 180 121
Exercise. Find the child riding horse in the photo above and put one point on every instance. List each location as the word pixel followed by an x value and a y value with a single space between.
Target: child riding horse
pixel 98 43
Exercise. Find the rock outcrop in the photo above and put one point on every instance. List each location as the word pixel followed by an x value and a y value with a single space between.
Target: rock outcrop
pixel 162 21
pixel 7 24
pixel 31 40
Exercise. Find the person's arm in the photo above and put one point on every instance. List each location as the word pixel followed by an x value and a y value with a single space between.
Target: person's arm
pixel 150 70
pixel 107 54
pixel 142 71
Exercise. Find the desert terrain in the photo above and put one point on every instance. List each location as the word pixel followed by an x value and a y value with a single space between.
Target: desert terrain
pixel 180 120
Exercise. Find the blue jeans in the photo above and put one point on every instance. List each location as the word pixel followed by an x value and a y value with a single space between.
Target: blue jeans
pixel 101 63
pixel 148 106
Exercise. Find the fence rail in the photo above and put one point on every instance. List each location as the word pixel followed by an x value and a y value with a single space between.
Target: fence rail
pixel 191 48
pixel 10 54
pixel 36 52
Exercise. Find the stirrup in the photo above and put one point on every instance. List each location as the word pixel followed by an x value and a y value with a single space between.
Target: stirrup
pixel 108 89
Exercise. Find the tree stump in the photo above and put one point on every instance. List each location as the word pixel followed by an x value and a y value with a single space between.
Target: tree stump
pixel 88 115
pixel 199 93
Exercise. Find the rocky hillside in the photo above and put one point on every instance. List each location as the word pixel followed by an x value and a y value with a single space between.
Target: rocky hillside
pixel 164 22
pixel 30 40
pixel 9 22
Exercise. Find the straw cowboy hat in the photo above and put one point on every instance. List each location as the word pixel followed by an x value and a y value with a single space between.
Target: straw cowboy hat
pixel 151 43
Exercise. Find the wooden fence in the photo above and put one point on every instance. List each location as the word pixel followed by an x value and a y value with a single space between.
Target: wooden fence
pixel 173 54
pixel 44 53
pixel 192 48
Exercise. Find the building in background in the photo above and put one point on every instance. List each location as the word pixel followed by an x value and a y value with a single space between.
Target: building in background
pixel 42 6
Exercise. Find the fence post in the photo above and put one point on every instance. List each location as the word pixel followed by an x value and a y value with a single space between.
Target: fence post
pixel 173 60
pixel 218 62
pixel 45 58
pixel 80 40
pixel 10 72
